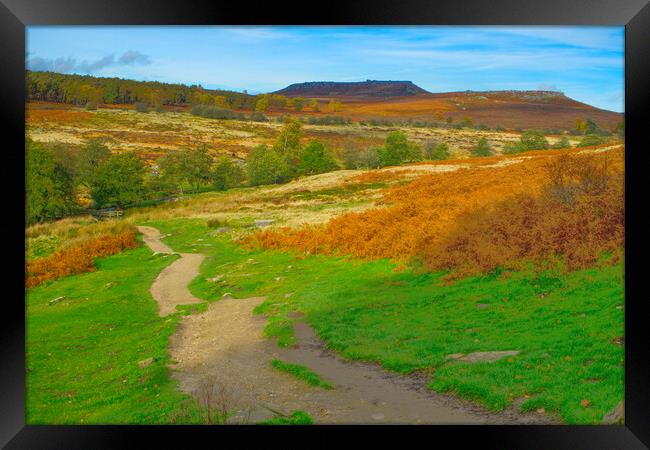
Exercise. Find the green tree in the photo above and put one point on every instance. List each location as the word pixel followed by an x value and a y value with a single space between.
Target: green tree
pixel 316 158
pixel 196 166
pixel 395 151
pixel 266 166
pixel 482 148
pixel 591 127
pixel 226 174
pixel 287 144
pixel 49 187
pixel 118 181
pixel 91 156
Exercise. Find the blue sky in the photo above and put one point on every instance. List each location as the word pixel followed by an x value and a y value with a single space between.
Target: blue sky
pixel 586 63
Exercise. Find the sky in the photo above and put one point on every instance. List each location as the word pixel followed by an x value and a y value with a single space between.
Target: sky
pixel 586 63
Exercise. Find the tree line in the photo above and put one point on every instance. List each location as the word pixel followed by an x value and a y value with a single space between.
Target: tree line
pixel 58 173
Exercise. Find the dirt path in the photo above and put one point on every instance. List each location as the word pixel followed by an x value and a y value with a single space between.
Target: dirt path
pixel 170 288
pixel 222 355
pixel 224 349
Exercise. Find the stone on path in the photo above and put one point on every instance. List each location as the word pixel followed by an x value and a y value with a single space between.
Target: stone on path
pixel 616 416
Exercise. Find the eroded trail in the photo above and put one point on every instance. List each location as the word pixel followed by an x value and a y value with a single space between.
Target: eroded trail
pixel 170 288
pixel 222 353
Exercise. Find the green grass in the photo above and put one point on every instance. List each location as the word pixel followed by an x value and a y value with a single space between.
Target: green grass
pixel 564 326
pixel 82 352
pixel 298 417
pixel 302 373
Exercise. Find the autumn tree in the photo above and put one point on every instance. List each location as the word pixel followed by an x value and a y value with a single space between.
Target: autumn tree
pixel 262 104
pixel 580 125
pixel 313 105
pixel 287 144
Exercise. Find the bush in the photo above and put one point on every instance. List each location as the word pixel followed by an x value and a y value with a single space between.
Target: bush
pixel 258 117
pixel 482 148
pixel 591 139
pixel 77 259
pixel 533 140
pixel 159 108
pixel 141 107
pixel 563 142
pixel 91 106
pixel 215 112
pixel 329 120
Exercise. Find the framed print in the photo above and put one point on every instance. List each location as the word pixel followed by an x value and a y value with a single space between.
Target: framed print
pixel 242 216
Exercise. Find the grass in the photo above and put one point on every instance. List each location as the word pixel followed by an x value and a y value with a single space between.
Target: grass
pixel 82 352
pixel 297 417
pixel 302 373
pixel 565 326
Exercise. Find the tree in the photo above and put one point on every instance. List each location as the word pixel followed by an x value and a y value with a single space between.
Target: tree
pixel 350 155
pixel 395 150
pixel 196 166
pixel 436 151
pixel 49 187
pixel 482 148
pixel 370 158
pixel 298 103
pixel 313 105
pixel 91 156
pixel 118 181
pixel 580 125
pixel 226 174
pixel 266 166
pixel 262 104
pixel 591 127
pixel 334 106
pixel 316 158
pixel 287 144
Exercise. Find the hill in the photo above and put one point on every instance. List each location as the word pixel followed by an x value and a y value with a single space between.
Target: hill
pixel 368 88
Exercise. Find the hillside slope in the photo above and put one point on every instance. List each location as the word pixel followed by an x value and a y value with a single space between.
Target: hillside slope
pixel 362 89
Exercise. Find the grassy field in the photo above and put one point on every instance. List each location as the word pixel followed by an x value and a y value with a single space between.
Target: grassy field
pixel 84 350
pixel 568 328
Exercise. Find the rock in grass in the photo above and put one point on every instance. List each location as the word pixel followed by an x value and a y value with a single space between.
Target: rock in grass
pixel 55 300
pixel 482 305
pixel 146 362
pixel 616 416
pixel 263 223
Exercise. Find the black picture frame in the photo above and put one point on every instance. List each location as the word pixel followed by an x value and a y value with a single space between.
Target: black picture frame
pixel 16 14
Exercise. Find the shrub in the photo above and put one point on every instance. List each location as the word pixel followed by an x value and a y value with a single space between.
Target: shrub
pixel 159 108
pixel 533 140
pixel 258 117
pixel 563 142
pixel 591 139
pixel 215 112
pixel 91 106
pixel 77 259
pixel 482 148
pixel 141 107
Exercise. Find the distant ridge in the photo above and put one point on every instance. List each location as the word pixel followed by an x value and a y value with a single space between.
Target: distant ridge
pixel 368 88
